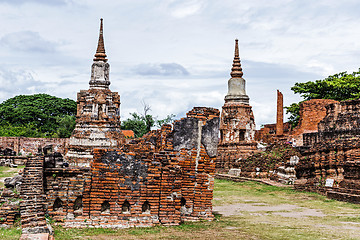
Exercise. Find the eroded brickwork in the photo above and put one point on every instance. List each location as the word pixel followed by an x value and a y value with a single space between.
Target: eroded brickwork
pixel 311 113
pixel 163 178
pixel 237 124
pixel 333 154
pixel 98 114
pixel 279 114
pixel 29 146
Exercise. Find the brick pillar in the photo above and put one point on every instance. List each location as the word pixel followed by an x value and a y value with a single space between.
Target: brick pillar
pixel 279 114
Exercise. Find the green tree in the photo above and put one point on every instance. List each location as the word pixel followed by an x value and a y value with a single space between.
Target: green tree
pixel 39 112
pixel 135 123
pixel 65 125
pixel 167 120
pixel 28 130
pixel 143 124
pixel 340 86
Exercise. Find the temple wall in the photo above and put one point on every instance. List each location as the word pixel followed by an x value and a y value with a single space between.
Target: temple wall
pixel 311 113
pixel 165 177
pixel 333 153
pixel 29 146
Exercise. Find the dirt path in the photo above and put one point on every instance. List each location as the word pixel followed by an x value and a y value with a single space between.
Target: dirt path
pixel 293 216
pixel 284 210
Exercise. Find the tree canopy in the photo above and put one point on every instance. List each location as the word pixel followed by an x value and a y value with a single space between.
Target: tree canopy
pixel 340 86
pixel 142 124
pixel 38 115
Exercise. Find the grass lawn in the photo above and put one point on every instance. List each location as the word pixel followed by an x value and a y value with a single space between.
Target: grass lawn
pixel 249 210
pixel 6 172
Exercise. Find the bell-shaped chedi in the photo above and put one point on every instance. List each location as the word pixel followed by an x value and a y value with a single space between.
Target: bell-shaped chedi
pixel 237 124
pixel 236 84
pixel 98 113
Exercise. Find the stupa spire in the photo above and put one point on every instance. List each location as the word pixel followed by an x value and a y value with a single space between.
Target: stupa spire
pixel 100 54
pixel 236 71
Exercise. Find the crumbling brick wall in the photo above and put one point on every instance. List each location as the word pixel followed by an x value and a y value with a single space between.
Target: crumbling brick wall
pixel 333 153
pixel 29 146
pixel 311 113
pixel 267 134
pixel 165 177
pixel 9 207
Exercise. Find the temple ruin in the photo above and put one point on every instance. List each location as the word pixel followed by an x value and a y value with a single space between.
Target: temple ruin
pixel 98 113
pixel 330 157
pixel 237 124
pixel 101 177
pixel 166 177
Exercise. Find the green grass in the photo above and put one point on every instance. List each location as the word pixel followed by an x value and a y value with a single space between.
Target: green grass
pixel 264 224
pixel 6 172
pixel 259 224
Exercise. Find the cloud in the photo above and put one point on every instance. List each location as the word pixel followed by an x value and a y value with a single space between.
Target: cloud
pixel 14 82
pixel 264 70
pixel 44 2
pixel 162 69
pixel 27 41
pixel 185 8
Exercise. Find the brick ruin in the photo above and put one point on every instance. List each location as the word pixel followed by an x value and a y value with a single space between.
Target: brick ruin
pixel 237 124
pixel 311 113
pixel 280 114
pixel 108 179
pixel 98 114
pixel 24 146
pixel 330 157
pixel 278 131
pixel 166 177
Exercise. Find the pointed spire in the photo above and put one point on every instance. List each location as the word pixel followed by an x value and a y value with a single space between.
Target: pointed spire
pixel 100 52
pixel 236 71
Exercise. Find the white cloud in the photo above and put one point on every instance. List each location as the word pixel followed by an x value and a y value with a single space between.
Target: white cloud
pixel 27 41
pixel 177 54
pixel 185 8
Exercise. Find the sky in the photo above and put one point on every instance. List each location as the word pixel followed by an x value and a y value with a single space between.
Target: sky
pixel 177 54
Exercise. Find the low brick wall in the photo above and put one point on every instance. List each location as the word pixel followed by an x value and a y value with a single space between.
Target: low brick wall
pixel 29 146
pixel 165 177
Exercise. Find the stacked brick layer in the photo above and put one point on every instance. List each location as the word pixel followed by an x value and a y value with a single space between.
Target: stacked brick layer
pixel 9 207
pixel 30 146
pixel 32 206
pixel 237 130
pixel 166 177
pixel 311 113
pixel 333 153
pixel 97 125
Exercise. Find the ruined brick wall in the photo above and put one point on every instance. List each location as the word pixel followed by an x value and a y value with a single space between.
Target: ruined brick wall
pixel 165 177
pixel 29 146
pixel 66 189
pixel 333 153
pixel 311 113
pixel 9 207
pixel 267 133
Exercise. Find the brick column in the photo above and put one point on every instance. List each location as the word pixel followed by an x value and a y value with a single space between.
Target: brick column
pixel 279 114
